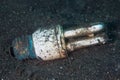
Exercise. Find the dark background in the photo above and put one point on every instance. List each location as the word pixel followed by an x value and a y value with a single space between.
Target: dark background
pixel 22 17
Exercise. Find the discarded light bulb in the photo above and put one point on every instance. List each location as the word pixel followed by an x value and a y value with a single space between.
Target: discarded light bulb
pixel 55 42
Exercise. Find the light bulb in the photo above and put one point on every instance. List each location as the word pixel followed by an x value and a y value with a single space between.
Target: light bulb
pixel 55 42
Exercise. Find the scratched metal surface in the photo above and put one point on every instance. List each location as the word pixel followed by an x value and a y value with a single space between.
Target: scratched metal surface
pixel 21 17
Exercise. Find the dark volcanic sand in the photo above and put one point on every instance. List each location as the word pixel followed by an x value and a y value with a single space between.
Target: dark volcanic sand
pixel 22 17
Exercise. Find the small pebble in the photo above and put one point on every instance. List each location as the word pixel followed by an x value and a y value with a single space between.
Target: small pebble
pixel 61 67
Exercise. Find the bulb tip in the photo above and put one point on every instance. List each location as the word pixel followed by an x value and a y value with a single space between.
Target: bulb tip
pixel 23 48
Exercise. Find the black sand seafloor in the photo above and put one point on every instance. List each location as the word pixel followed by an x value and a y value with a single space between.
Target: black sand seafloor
pixel 22 17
